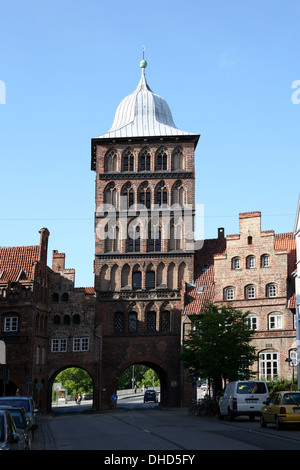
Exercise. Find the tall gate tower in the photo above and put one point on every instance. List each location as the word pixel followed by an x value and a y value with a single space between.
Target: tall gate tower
pixel 144 223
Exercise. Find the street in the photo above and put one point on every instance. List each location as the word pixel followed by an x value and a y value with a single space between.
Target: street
pixel 134 425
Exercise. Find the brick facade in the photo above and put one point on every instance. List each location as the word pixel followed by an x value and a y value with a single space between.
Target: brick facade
pixel 138 284
pixel 252 271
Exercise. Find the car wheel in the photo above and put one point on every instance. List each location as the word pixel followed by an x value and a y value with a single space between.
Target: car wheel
pixel 230 415
pixel 263 424
pixel 278 424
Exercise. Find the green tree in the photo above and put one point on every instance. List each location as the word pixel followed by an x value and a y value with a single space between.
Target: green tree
pixel 217 346
pixel 75 380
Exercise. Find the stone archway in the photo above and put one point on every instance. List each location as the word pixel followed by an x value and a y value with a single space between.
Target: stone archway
pixel 53 377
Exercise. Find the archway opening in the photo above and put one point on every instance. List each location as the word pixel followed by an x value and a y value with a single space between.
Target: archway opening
pixel 71 391
pixel 140 386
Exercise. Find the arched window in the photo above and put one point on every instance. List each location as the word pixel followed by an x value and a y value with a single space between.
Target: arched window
pixel 65 297
pixel 132 322
pixel 110 161
pixel 151 321
pixel 150 280
pixel 110 194
pixel 271 290
pixel 154 237
pixel 229 293
pixel 119 322
pixel 236 263
pixel 56 320
pixel 268 365
pixel 76 319
pixel 177 159
pixel 161 159
pixel 134 241
pixel 165 321
pixel 144 160
pixel 127 197
pixel 128 160
pixel 250 262
pixel 178 194
pixel 265 261
pixel 161 194
pixel 136 280
pixel 250 292
pixel 145 197
pixel 55 297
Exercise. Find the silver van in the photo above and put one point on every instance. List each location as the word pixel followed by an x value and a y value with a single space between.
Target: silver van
pixel 243 397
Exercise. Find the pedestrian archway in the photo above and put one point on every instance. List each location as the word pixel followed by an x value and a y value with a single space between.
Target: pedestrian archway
pixel 71 390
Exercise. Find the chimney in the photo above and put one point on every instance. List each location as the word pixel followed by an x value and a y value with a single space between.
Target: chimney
pixel 44 235
pixel 221 232
pixel 58 261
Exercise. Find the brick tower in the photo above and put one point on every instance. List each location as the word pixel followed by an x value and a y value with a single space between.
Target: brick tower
pixel 143 239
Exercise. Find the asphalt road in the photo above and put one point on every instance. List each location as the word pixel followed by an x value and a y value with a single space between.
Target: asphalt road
pixel 134 425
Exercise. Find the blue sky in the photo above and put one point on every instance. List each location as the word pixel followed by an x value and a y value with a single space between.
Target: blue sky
pixel 225 68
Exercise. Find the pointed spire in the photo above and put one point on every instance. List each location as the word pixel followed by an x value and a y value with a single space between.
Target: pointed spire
pixel 143 63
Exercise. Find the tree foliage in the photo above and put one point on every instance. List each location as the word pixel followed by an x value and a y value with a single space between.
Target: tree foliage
pixel 218 346
pixel 75 380
pixel 142 374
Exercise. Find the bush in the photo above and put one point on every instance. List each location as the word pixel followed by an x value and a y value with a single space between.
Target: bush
pixel 280 385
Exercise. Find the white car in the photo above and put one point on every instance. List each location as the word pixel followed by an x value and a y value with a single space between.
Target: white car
pixel 243 397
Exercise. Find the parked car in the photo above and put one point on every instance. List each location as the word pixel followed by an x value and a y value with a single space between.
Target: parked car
pixel 22 422
pixel 9 438
pixel 282 408
pixel 29 405
pixel 150 395
pixel 243 397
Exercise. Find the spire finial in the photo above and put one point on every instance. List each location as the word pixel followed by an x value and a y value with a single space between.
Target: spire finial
pixel 143 63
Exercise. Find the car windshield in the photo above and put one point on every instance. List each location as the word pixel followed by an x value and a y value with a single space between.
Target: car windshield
pixel 2 429
pixel 291 399
pixel 18 418
pixel 15 402
pixel 251 388
pixel 150 392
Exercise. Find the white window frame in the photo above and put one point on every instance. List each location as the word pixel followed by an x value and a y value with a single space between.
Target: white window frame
pixel 59 345
pixel 268 365
pixel 236 263
pixel 81 344
pixel 250 262
pixel 265 261
pixel 11 324
pixel 275 321
pixel 229 293
pixel 271 290
pixel 253 322
pixel 250 292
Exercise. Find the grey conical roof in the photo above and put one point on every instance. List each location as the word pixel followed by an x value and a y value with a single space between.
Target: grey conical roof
pixel 143 113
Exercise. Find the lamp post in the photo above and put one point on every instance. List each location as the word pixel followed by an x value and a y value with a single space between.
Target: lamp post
pixel 291 363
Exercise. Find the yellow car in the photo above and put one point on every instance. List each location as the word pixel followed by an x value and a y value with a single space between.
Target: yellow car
pixel 282 408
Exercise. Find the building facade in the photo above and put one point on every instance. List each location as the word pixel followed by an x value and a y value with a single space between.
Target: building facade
pixel 253 271
pixel 143 239
pixel 150 275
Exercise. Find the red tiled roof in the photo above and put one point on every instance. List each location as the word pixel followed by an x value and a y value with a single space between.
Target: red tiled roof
pixel 15 259
pixel 89 290
pixel 204 275
pixel 287 242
